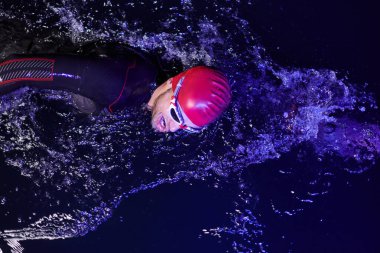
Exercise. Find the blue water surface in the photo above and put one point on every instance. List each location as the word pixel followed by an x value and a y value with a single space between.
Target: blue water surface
pixel 290 167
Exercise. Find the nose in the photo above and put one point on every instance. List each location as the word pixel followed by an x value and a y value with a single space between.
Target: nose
pixel 173 126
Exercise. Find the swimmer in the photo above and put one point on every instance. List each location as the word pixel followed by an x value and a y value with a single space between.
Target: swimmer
pixel 190 100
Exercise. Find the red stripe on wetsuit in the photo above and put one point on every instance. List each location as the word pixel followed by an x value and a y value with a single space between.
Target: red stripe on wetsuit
pixel 133 65
pixel 26 69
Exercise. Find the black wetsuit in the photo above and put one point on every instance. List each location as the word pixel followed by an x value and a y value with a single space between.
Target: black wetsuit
pixel 111 83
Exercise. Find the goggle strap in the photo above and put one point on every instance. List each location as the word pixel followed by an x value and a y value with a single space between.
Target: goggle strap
pixel 179 85
pixel 174 103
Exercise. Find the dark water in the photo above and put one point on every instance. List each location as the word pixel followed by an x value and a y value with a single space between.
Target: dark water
pixel 291 167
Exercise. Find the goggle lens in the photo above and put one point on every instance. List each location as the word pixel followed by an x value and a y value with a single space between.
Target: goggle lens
pixel 174 115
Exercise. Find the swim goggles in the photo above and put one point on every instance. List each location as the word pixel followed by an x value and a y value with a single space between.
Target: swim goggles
pixel 175 111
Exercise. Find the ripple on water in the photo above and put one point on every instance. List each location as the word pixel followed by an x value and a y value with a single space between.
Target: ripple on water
pixel 80 167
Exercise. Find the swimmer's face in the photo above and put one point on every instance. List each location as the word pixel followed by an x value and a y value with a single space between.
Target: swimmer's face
pixel 159 104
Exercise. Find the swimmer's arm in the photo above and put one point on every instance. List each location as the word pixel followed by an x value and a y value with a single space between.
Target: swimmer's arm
pixel 158 91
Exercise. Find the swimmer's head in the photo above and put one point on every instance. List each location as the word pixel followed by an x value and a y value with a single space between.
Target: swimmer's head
pixel 190 101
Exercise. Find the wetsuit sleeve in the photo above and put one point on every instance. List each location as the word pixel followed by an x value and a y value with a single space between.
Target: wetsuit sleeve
pixel 111 83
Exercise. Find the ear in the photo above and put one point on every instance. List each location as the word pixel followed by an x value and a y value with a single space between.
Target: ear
pixel 158 91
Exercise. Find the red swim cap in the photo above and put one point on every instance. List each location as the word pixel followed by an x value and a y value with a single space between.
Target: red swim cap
pixel 204 95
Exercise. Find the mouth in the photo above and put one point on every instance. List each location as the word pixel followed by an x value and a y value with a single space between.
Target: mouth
pixel 160 123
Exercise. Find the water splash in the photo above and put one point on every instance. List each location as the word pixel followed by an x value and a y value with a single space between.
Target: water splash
pixel 80 167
